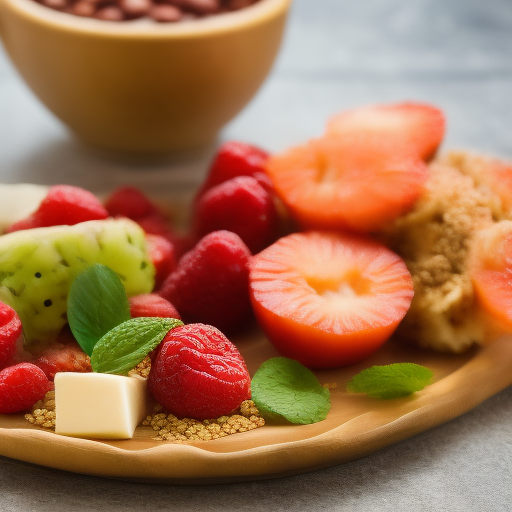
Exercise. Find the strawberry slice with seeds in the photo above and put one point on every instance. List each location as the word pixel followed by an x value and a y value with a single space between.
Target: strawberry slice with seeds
pixel 416 127
pixel 329 299
pixel 347 183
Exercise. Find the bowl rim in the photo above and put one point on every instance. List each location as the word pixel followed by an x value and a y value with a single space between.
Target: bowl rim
pixel 259 12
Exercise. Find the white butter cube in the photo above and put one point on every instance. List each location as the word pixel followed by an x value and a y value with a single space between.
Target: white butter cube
pixel 99 405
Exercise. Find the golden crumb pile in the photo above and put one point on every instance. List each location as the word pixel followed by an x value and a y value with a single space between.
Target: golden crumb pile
pixel 43 412
pixel 142 369
pixel 167 426
pixel 435 238
pixel 170 428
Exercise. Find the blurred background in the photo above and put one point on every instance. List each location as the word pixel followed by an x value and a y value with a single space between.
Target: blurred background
pixel 336 54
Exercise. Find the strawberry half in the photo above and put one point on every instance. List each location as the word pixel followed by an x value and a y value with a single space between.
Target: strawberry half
pixel 346 183
pixel 415 127
pixel 329 299
pixel 10 332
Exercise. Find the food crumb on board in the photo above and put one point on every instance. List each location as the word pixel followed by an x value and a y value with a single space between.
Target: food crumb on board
pixel 170 428
pixel 167 426
pixel 43 412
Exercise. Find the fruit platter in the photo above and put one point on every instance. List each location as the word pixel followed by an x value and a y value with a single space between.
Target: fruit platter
pixel 317 305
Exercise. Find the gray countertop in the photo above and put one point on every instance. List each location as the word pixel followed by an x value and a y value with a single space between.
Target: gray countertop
pixel 337 54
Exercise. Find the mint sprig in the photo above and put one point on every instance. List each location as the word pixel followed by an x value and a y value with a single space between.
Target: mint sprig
pixel 286 388
pixel 97 303
pixel 391 381
pixel 127 344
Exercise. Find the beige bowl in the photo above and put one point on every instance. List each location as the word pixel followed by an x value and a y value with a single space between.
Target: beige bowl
pixel 141 86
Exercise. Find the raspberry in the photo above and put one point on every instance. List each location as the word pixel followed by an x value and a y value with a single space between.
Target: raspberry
pixel 63 205
pixel 198 373
pixel 63 355
pixel 210 284
pixel 235 159
pixel 162 255
pixel 21 386
pixel 10 332
pixel 240 205
pixel 151 305
pixel 129 202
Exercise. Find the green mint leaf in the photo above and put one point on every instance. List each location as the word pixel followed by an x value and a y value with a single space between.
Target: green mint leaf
pixel 391 381
pixel 97 302
pixel 286 388
pixel 127 344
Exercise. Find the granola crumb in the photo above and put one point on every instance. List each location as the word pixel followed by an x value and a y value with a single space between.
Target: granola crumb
pixel 330 385
pixel 142 369
pixel 43 412
pixel 170 428
pixel 434 239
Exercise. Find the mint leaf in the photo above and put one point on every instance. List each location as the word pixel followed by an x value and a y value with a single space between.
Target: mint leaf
pixel 97 302
pixel 127 344
pixel 286 388
pixel 391 381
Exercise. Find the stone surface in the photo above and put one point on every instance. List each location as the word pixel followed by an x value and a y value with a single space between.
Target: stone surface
pixel 336 54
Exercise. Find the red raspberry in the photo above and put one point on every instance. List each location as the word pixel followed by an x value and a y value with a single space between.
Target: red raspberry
pixel 21 386
pixel 211 283
pixel 242 206
pixel 63 355
pixel 235 159
pixel 10 332
pixel 63 205
pixel 162 254
pixel 130 202
pixel 198 373
pixel 151 305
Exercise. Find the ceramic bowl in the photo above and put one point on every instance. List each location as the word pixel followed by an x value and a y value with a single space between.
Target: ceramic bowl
pixel 142 86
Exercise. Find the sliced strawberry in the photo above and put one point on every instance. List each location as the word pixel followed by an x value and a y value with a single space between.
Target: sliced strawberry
pixel 162 254
pixel 336 183
pixel 64 205
pixel 210 284
pixel 240 205
pixel 151 305
pixel 198 373
pixel 235 159
pixel 413 127
pixel 491 271
pixel 329 299
pixel 21 386
pixel 130 202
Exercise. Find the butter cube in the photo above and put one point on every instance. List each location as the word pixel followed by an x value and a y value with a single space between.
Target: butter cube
pixel 99 405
